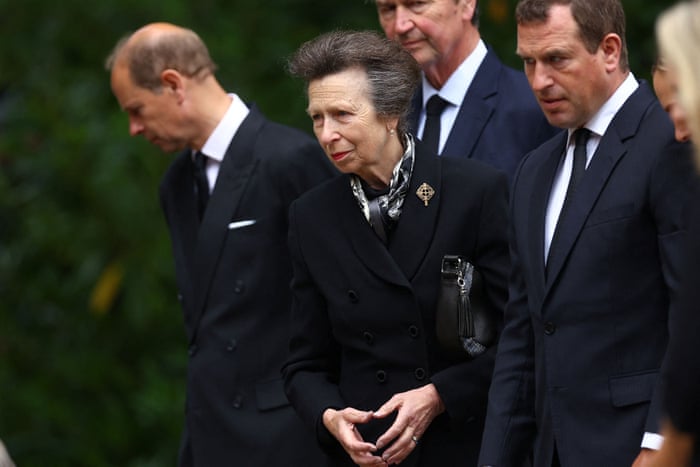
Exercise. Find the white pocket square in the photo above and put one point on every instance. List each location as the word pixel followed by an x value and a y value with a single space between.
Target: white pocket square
pixel 239 224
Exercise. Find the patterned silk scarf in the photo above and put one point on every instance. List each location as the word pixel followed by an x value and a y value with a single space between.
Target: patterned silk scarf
pixel 391 202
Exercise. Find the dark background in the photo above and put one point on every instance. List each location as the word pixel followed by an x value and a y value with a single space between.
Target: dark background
pixel 92 349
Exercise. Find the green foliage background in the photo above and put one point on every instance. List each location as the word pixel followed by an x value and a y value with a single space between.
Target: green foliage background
pixel 92 351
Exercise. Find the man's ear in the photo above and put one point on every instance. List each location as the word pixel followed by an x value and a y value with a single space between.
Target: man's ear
pixel 468 9
pixel 172 81
pixel 611 46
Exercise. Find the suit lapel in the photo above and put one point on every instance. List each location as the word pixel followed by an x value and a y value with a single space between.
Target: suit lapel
pixel 416 227
pixel 365 243
pixel 474 113
pixel 541 189
pixel 476 109
pixel 610 150
pixel 234 174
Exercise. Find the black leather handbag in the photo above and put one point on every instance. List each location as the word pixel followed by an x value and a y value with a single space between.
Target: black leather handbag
pixel 463 325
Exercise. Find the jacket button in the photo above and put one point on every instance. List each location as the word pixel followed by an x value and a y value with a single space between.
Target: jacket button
pixel 352 295
pixel 231 345
pixel 419 373
pixel 369 337
pixel 179 297
pixel 381 376
pixel 238 287
pixel 413 331
pixel 192 350
pixel 549 328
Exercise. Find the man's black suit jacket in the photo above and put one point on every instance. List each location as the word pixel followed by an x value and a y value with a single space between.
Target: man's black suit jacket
pixel 499 120
pixel 233 273
pixel 363 322
pixel 579 358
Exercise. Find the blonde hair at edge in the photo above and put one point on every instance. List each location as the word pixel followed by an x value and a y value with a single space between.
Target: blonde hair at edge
pixel 678 33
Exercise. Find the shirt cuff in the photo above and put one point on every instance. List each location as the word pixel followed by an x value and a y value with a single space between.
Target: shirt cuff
pixel 652 441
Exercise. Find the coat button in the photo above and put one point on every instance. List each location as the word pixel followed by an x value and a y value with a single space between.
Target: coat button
pixel 192 350
pixel 237 401
pixel 413 331
pixel 381 376
pixel 238 287
pixel 179 297
pixel 231 345
pixel 549 328
pixel 352 295
pixel 369 337
pixel 419 373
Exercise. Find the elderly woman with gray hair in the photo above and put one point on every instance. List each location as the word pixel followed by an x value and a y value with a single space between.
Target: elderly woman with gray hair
pixel 366 369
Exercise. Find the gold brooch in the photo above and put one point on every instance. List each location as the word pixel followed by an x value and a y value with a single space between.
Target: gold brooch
pixel 425 192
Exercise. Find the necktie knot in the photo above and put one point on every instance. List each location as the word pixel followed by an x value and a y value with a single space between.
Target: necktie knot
pixel 581 137
pixel 435 106
pixel 200 160
pixel 431 132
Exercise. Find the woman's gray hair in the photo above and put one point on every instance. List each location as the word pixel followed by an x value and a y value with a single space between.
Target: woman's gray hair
pixel 392 73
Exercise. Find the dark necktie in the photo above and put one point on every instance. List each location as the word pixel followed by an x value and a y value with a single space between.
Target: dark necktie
pixel 578 168
pixel 431 132
pixel 201 183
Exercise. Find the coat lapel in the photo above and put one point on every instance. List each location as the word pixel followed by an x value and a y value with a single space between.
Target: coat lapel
pixel 234 173
pixel 181 211
pixel 185 213
pixel 610 150
pixel 365 243
pixel 414 232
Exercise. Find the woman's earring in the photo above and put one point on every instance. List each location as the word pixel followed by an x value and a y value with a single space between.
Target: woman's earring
pixel 392 131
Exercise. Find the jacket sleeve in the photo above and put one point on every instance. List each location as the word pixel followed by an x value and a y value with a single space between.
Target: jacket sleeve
pixel 510 421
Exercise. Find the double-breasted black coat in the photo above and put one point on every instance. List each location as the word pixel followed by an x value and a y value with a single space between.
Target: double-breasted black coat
pixel 363 314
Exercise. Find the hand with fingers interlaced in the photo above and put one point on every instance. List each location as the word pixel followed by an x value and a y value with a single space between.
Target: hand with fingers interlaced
pixel 415 410
pixel 342 424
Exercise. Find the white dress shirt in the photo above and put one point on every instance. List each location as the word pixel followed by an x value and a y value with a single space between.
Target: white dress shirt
pixel 218 142
pixel 598 125
pixel 453 91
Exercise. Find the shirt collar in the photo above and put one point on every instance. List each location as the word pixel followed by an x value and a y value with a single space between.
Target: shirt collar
pixel 601 120
pixel 218 142
pixel 457 85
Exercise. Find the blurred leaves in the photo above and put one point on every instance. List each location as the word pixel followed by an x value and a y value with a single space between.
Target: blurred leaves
pixel 92 351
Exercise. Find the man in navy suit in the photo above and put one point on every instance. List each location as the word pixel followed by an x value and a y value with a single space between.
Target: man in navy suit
pixel 598 223
pixel 225 199
pixel 489 112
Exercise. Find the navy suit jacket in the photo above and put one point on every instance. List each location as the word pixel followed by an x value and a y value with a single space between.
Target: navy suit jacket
pixel 579 358
pixel 499 120
pixel 363 326
pixel 233 273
